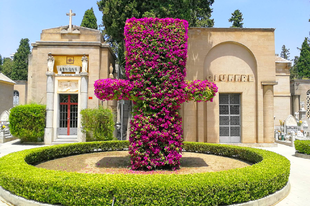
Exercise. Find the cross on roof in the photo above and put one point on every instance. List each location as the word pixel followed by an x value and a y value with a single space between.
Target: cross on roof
pixel 70 19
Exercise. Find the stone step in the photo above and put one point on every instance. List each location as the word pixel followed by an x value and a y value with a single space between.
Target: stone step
pixel 64 141
pixel 66 137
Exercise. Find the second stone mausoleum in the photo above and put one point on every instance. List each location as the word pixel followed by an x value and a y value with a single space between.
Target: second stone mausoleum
pixel 241 61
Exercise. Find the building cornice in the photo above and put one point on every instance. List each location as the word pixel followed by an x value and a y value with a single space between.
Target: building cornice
pixel 269 83
pixel 72 43
pixel 232 29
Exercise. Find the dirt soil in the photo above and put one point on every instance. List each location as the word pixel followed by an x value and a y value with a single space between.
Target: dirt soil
pixel 118 162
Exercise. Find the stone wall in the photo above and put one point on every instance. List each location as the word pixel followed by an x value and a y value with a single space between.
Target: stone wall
pixel 6 96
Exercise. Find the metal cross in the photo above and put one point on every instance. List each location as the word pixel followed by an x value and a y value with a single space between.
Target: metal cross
pixel 70 19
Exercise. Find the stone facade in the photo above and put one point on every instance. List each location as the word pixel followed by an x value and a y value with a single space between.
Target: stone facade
pixel 282 93
pixel 300 90
pixel 21 88
pixel 6 93
pixel 52 82
pixel 241 62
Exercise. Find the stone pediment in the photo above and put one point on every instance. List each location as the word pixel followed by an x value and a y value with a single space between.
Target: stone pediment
pixel 77 33
pixel 290 121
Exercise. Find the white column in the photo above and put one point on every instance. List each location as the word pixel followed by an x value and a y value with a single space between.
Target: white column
pixel 48 134
pixel 83 103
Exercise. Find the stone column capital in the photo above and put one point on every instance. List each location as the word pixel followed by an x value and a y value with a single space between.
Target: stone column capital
pixel 84 74
pixel 50 74
pixel 269 83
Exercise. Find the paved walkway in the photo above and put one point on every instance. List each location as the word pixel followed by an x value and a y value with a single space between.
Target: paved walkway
pixel 299 178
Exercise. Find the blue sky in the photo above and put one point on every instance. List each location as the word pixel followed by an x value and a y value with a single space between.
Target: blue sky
pixel 26 19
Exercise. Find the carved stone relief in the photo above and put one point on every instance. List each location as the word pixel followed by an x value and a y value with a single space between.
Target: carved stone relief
pixel 68 86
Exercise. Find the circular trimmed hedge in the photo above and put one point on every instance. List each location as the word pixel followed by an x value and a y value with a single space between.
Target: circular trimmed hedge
pixel 18 175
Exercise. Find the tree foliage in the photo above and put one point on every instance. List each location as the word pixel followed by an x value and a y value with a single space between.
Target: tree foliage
pixel 293 70
pixel 1 62
pixel 89 19
pixel 303 64
pixel 236 19
pixel 285 52
pixel 7 67
pixel 20 67
pixel 116 12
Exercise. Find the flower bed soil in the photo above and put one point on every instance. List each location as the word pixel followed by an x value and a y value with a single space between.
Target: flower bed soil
pixel 118 162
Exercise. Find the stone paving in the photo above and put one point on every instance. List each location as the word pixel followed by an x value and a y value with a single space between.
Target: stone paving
pixel 299 177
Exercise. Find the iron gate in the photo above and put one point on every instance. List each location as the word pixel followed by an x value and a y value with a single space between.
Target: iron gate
pixel 68 114
pixel 230 121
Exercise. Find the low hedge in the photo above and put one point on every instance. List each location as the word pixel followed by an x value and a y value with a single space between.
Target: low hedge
pixel 302 146
pixel 18 175
pixel 97 124
pixel 27 122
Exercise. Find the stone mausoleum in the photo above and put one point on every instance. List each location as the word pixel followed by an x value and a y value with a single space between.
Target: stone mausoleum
pixel 62 69
pixel 67 61
pixel 241 61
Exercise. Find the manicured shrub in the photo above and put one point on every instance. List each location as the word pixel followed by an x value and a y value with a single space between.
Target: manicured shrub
pixel 27 122
pixel 97 124
pixel 156 52
pixel 268 174
pixel 302 146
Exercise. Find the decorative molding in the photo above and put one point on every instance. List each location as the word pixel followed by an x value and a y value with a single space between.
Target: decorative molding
pixel 70 60
pixel 269 83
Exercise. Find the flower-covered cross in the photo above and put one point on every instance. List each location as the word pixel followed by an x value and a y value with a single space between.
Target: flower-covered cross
pixel 156 52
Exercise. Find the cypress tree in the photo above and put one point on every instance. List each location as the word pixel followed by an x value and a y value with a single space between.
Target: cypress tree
pixel 285 52
pixel 20 61
pixel 303 63
pixel 89 19
pixel 236 19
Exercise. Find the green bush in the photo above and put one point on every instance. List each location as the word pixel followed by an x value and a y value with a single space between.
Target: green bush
pixel 27 122
pixel 269 174
pixel 302 146
pixel 98 124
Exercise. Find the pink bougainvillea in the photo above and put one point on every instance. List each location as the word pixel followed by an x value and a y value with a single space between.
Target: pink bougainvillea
pixel 156 52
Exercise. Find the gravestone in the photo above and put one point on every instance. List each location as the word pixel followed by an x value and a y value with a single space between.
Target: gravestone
pixel 5 134
pixel 290 125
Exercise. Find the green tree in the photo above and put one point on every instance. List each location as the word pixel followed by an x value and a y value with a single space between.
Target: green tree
pixel 20 67
pixel 1 62
pixel 236 19
pixel 89 19
pixel 7 67
pixel 285 52
pixel 116 12
pixel 303 64
pixel 293 70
